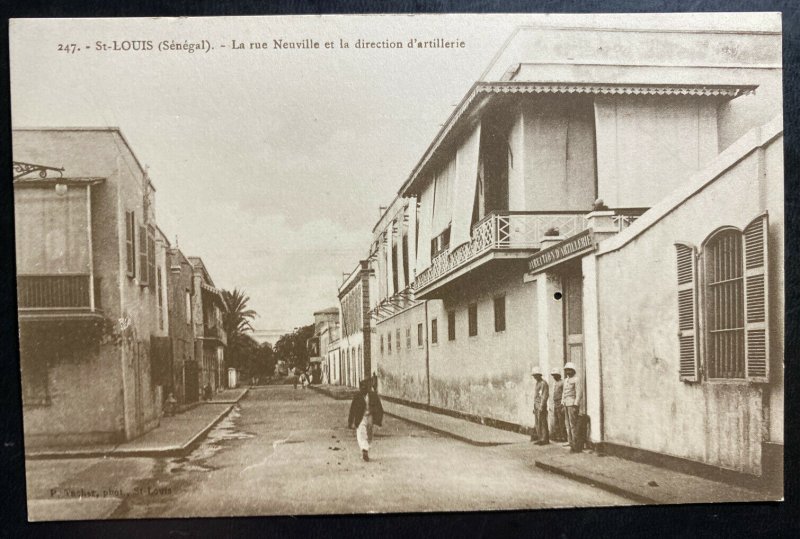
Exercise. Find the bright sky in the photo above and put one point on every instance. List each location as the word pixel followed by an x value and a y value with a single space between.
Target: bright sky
pixel 269 164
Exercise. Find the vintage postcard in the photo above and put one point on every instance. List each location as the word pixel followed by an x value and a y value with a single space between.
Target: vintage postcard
pixel 381 264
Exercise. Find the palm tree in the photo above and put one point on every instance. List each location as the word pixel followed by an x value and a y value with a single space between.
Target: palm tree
pixel 236 318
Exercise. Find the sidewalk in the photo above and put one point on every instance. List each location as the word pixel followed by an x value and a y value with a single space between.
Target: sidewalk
pixel 335 392
pixel 639 482
pixel 175 436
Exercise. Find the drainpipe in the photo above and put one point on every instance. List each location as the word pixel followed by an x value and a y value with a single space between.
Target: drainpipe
pixel 427 355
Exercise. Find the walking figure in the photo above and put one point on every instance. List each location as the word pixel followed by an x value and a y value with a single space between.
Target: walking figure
pixel 365 411
pixel 541 394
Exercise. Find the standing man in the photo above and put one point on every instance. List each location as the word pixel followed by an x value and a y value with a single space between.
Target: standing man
pixel 540 395
pixel 559 429
pixel 365 411
pixel 572 399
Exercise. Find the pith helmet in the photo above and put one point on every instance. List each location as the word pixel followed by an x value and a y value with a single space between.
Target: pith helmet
pixel 570 365
pixel 535 371
pixel 555 372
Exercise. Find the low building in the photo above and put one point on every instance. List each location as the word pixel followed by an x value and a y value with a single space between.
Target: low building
pixel 184 369
pixel 91 288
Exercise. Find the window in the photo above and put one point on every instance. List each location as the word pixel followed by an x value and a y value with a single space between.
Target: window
pixel 728 292
pixel 143 264
pixel 397 332
pixel 381 344
pixel 500 313
pixel 472 315
pixel 389 342
pixel 451 325
pixel 160 300
pixel 408 337
pixel 419 335
pixel 395 270
pixel 724 294
pixel 188 307
pixel 130 243
pixel 404 244
pixel 434 331
pixel 441 242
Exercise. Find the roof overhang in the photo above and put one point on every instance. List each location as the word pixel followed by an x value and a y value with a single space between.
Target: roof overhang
pixel 50 182
pixel 482 92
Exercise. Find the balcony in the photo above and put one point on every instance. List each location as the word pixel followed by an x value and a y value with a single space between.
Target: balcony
pixel 505 235
pixel 58 296
pixel 213 332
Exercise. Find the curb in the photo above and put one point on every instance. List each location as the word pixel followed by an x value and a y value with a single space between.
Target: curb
pixel 169 451
pixel 607 486
pixel 445 432
pixel 344 395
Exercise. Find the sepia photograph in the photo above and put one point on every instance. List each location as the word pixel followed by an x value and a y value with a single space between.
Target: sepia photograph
pixel 352 264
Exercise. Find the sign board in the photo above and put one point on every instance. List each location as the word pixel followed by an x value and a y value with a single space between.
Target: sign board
pixel 569 248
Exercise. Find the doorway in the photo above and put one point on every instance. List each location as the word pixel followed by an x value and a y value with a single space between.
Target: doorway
pixel 572 282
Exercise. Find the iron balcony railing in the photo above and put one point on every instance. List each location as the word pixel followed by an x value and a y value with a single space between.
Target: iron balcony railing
pixel 58 292
pixel 508 231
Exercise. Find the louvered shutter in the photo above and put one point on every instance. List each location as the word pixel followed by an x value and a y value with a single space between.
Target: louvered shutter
pixel 755 298
pixel 143 273
pixel 130 243
pixel 687 312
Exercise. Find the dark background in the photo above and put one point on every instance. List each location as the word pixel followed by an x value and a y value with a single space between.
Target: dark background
pixel 722 520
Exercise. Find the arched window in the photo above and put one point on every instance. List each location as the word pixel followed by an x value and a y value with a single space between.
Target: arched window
pixel 724 301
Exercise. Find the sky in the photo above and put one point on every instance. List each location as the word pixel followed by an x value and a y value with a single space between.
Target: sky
pixel 269 164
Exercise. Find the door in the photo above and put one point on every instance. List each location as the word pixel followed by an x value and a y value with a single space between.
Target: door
pixel 192 389
pixel 573 326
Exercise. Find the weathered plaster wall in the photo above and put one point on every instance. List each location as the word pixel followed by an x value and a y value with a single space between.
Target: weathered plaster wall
pixel 645 403
pixel 402 372
pixel 85 401
pixel 488 374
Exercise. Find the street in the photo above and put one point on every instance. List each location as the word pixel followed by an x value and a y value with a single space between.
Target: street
pixel 287 451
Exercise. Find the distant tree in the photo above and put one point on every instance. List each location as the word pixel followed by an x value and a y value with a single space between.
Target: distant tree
pixel 291 347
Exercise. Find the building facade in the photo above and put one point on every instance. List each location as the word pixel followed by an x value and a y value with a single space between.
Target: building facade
pixel 184 369
pixel 91 289
pixel 562 179
pixel 210 337
pixel 355 327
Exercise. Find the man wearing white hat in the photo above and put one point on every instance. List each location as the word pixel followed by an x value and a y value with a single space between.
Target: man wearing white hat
pixel 540 396
pixel 559 431
pixel 572 398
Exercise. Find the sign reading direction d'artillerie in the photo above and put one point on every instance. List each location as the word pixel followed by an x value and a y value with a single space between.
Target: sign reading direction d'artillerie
pixel 576 245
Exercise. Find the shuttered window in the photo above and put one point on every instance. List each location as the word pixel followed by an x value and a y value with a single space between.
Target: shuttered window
pixel 472 319
pixel 434 331
pixel 143 264
pixel 451 325
pixel 756 304
pixel 130 243
pixel 687 312
pixel 735 308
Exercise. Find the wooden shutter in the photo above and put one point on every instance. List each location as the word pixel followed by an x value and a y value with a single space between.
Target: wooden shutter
pixel 143 256
pixel 130 243
pixel 755 300
pixel 687 312
pixel 151 257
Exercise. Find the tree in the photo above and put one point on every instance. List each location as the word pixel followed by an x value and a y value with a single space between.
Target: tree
pixel 291 347
pixel 237 317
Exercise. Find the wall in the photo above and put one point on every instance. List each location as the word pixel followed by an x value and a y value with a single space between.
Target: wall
pixel 645 404
pixel 402 372
pixel 180 328
pixel 558 154
pixel 488 374
pixel 647 146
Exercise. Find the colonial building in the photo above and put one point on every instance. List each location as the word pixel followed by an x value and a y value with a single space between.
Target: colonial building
pixel 184 370
pixel 355 343
pixel 210 337
pixel 324 320
pixel 91 290
pixel 610 197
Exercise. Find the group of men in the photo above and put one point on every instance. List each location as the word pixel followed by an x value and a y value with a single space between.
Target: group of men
pixel 568 424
